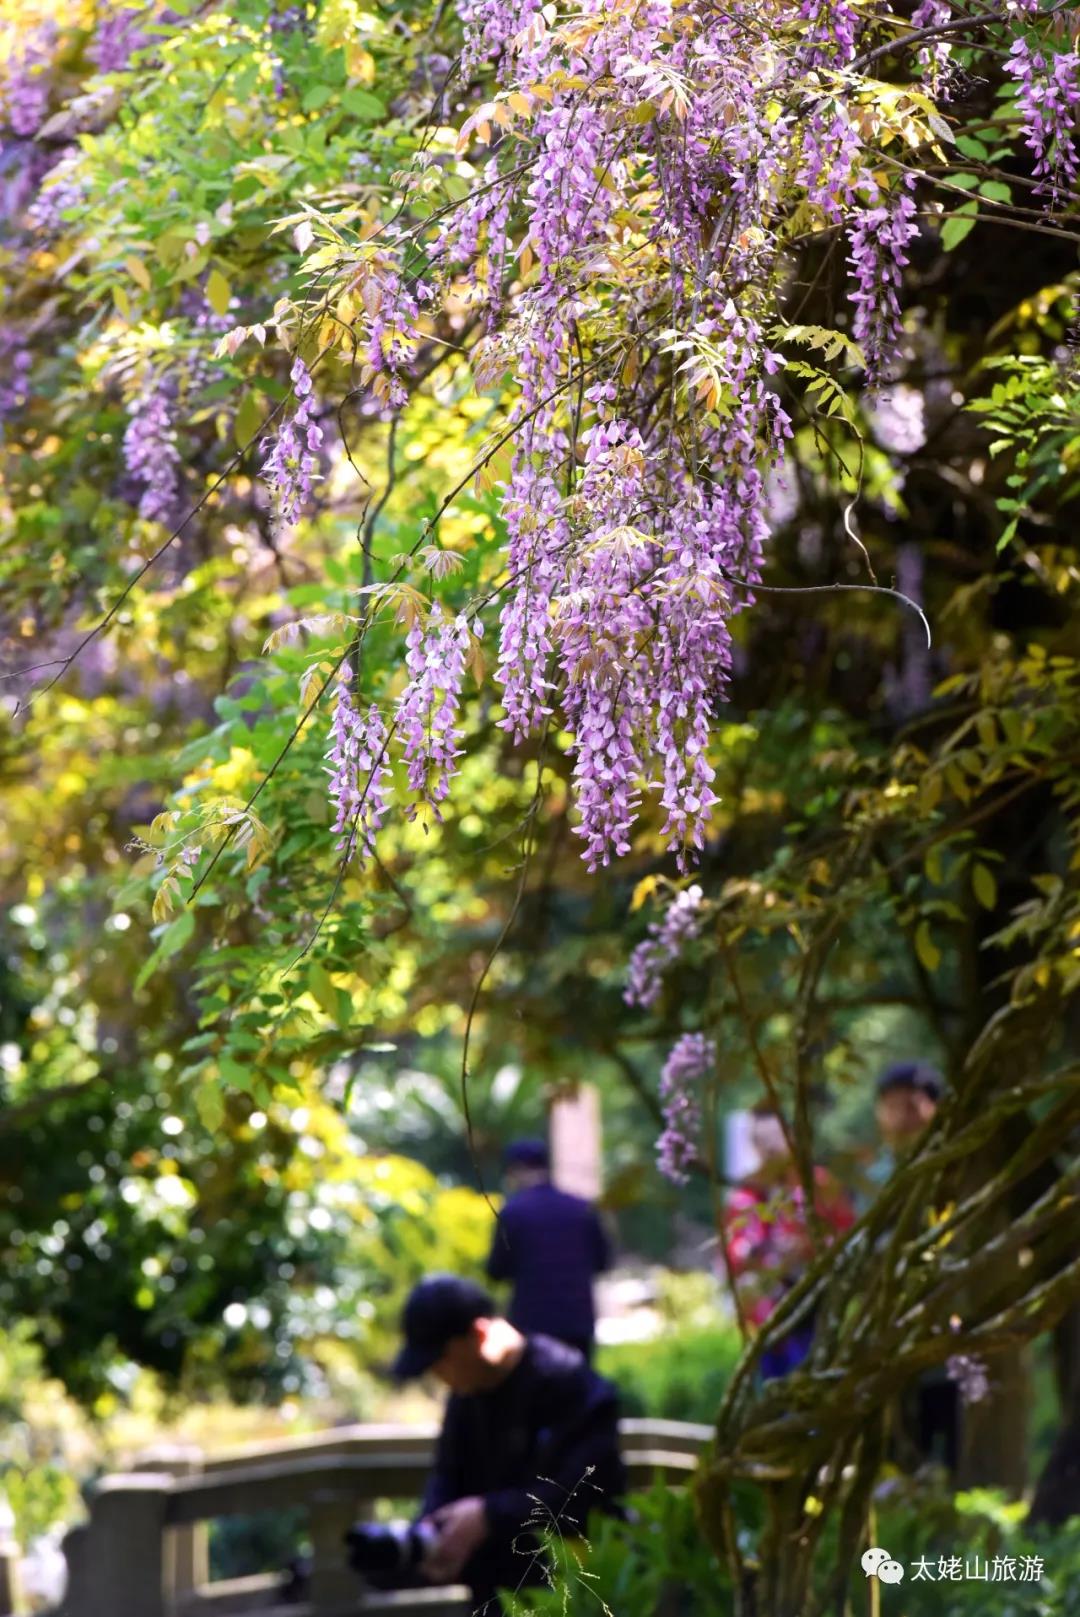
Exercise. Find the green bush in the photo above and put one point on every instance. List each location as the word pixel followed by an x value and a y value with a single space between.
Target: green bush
pixel 243 1545
pixel 678 1376
pixel 655 1562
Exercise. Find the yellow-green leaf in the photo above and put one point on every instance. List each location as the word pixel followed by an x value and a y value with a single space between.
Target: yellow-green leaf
pixel 164 901
pixel 925 947
pixel 321 986
pixel 210 1105
pixel 984 886
pixel 644 890
pixel 218 292
pixel 138 272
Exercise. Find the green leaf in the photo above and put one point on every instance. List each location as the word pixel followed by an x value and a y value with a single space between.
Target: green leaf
pixel 363 105
pixel 249 418
pixel 172 940
pixel 959 225
pixel 996 190
pixel 231 1070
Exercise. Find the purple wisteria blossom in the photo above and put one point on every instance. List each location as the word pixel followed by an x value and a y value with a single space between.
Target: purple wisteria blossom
pixel 642 478
pixel 898 417
pixel 971 1377
pixel 1048 96
pixel 691 1060
pixel 879 238
pixel 360 773
pixel 61 192
pixel 427 715
pixel 151 454
pixel 24 99
pixel 933 57
pixel 667 938
pixel 292 464
pixel 116 37
pixel 16 363
pixel 834 30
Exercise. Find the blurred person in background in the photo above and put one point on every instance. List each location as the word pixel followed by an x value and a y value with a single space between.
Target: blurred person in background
pixel 550 1246
pixel 908 1095
pixel 530 1440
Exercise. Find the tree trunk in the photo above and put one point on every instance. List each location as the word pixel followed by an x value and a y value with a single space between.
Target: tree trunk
pixel 1057 1495
pixel 993 1445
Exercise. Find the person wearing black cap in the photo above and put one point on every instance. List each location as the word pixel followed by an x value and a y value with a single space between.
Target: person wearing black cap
pixel 908 1094
pixel 550 1246
pixel 530 1439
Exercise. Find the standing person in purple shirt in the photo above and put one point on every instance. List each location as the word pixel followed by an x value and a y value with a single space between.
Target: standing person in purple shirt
pixel 550 1246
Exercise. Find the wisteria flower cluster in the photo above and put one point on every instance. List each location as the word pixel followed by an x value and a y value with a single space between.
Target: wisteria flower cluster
pixel 151 451
pixel 1048 95
pixel 427 715
pixel 645 169
pixel 292 464
pixel 426 734
pixel 663 947
pixel 25 96
pixel 359 769
pixel 119 33
pixel 688 1066
pixel 970 1376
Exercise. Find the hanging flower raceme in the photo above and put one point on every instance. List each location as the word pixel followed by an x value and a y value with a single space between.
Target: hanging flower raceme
pixel 151 453
pixel 360 773
pixel 647 172
pixel 1048 96
pixel 428 726
pixel 682 922
pixel 16 364
pixel 879 240
pixel 27 90
pixel 292 465
pixel 62 192
pixel 687 1068
pixel 117 36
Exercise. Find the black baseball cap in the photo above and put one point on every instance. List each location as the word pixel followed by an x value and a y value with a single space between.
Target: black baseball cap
pixel 527 1154
pixel 438 1309
pixel 912 1075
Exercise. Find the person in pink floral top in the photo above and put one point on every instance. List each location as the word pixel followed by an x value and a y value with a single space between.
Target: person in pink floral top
pixel 767 1239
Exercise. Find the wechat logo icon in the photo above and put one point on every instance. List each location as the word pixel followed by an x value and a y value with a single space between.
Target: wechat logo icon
pixel 878 1563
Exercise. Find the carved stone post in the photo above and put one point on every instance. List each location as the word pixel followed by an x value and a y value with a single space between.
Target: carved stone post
pixel 334 1586
pixel 187 1555
pixel 119 1567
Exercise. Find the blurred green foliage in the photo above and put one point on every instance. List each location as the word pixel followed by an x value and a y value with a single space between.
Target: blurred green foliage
pixel 656 1563
pixel 678 1376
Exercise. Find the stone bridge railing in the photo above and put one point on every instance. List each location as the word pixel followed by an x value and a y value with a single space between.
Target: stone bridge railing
pixel 143 1551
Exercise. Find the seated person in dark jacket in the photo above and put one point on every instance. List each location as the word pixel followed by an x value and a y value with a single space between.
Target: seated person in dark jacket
pixel 550 1245
pixel 530 1439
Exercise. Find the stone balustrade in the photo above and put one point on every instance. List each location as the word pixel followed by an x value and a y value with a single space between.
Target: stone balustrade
pixel 143 1551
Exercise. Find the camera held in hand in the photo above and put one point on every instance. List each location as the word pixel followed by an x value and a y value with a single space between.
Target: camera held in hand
pixel 386 1549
